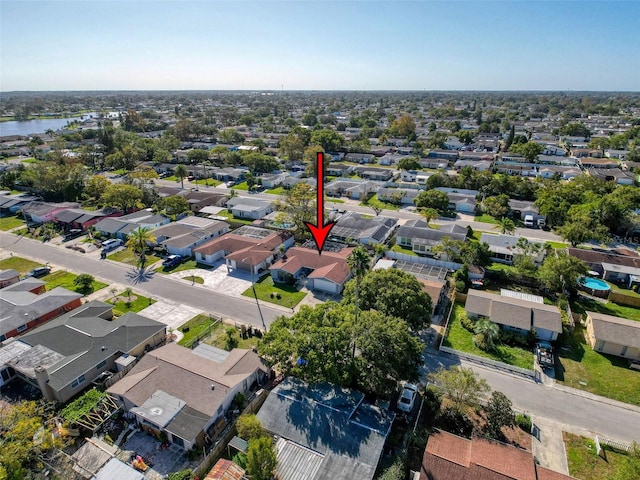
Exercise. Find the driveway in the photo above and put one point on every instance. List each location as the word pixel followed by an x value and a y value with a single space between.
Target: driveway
pixel 548 446
pixel 219 280
pixel 171 314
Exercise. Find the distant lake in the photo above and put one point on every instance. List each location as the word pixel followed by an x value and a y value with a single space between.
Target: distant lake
pixel 28 127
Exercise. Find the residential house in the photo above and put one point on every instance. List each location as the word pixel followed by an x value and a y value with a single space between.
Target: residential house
pixel 198 199
pixel 273 180
pixel 121 227
pixel 408 175
pixel 326 273
pixel 522 208
pixel 450 457
pixel 185 393
pixel 477 165
pixel 614 335
pixel 377 174
pixel 12 203
pixel 516 312
pixel 339 169
pixel 356 189
pixel 25 305
pixel 449 155
pixel 618 154
pixel 247 248
pixel 401 196
pixel 354 227
pixel 435 163
pixel 511 158
pixel 477 156
pixel 360 157
pixel 591 162
pixel 563 171
pixel 515 168
pixel 181 237
pixel 390 159
pixel 228 174
pixel 621 177
pixel 611 265
pixel 417 235
pixel 253 208
pixel 66 354
pixel 44 212
pixel 551 149
pixel 333 429
pixel 461 200
pixel 504 247
pixel 9 277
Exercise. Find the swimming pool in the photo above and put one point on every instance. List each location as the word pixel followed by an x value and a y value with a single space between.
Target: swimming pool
pixel 595 284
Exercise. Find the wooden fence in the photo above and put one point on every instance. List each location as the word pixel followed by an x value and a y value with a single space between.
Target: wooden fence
pixel 624 299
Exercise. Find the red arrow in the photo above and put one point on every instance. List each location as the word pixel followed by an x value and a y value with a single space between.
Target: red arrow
pixel 320 230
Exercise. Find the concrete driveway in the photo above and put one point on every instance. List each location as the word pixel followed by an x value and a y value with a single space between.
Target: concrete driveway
pixel 171 314
pixel 548 445
pixel 219 280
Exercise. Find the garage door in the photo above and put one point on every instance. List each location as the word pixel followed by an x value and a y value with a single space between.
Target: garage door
pixel 325 285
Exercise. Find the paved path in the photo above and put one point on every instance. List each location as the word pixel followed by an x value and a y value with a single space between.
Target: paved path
pixel 547 445
pixel 148 283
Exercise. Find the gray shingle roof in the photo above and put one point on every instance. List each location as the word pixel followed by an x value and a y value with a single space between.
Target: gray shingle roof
pixel 615 329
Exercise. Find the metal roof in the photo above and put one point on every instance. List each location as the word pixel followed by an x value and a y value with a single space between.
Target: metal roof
pixel 160 408
pixel 422 270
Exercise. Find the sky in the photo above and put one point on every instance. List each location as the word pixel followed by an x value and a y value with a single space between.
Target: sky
pixel 313 45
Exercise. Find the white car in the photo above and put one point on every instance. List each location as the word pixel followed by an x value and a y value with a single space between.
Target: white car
pixel 111 244
pixel 407 397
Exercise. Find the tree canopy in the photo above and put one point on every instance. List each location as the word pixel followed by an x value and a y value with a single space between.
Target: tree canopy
pixel 432 199
pixel 461 386
pixel 561 270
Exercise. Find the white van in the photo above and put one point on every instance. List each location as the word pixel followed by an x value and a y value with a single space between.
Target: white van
pixel 528 221
pixel 109 245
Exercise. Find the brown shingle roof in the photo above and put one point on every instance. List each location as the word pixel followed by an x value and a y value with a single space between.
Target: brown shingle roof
pixel 615 329
pixel 231 242
pixel 330 265
pixel 592 257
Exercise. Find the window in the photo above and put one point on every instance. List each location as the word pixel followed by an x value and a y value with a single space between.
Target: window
pixel 21 328
pixel 101 364
pixel 77 381
pixel 177 440
pixel 3 338
pixel 624 351
pixel 600 345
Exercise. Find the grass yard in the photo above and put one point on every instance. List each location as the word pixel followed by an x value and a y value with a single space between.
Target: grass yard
pixel 275 191
pixel 604 375
pixel 558 245
pixel 461 339
pixel 188 265
pixel 608 308
pixel 217 339
pixel 127 255
pixel 584 462
pixel 208 182
pixel 227 214
pixel 334 200
pixel 241 186
pixel 198 326
pixel 65 279
pixel 138 302
pixel 289 296
pixel 22 265
pixel 485 218
pixel 7 223
pixel 405 250
pixel 623 291
pixel 374 202
pixel 194 279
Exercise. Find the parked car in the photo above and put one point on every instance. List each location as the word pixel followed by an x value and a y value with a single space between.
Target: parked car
pixel 73 233
pixel 544 354
pixel 230 183
pixel 111 244
pixel 39 272
pixel 172 261
pixel 407 397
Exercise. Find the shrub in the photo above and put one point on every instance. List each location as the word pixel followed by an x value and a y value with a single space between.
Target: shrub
pixel 231 338
pixel 513 339
pixel 84 282
pixel 467 323
pixel 461 286
pixel 455 422
pixel 480 341
pixel 524 422
pixel 240 400
pixel 240 459
pixel 181 475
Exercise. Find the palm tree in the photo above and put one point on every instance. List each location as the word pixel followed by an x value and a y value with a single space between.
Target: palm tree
pixel 138 240
pixel 429 214
pixel 206 164
pixel 506 226
pixel 489 330
pixel 358 261
pixel 180 172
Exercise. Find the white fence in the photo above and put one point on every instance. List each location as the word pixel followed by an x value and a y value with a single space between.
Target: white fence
pixel 625 447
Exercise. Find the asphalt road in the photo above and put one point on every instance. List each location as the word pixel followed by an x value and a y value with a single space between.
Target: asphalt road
pixel 158 286
pixel 572 412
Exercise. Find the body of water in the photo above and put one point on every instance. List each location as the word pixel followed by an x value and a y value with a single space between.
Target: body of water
pixel 29 127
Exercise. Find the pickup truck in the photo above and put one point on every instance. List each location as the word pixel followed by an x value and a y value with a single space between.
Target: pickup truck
pixel 544 354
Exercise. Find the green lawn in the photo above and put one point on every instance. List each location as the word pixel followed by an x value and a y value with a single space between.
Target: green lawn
pixel 198 326
pixel 211 182
pixel 374 202
pixel 604 375
pixel 229 215
pixel 7 223
pixel 275 191
pixel 608 308
pixel 241 186
pixel 29 160
pixel 485 218
pixel 558 245
pixel 127 255
pixel 65 279
pixel 584 462
pixel 334 200
pixel 22 265
pixel 461 339
pixel 289 296
pixel 405 250
pixel 188 265
pixel 138 302
pixel 194 279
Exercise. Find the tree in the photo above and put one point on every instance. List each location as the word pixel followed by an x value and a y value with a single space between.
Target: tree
pixel 461 386
pixel 120 195
pixel 174 205
pixel 582 225
pixel 197 155
pixel 359 263
pixel 561 271
pixel 505 226
pixel 403 127
pixel 432 199
pixel 299 203
pixel 509 141
pixel 84 282
pixel 409 163
pixel 180 172
pixel 429 214
pixel 524 259
pixel 487 333
pixel 261 458
pixel 250 427
pixel 529 150
pixel 394 293
pixel 466 136
pixel 260 163
pixel 499 415
pixel 138 240
pixel 95 186
pixel 328 139
pixel 575 129
pixel 497 206
pixel 292 146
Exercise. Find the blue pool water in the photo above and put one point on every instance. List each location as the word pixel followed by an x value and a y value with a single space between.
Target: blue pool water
pixel 594 284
